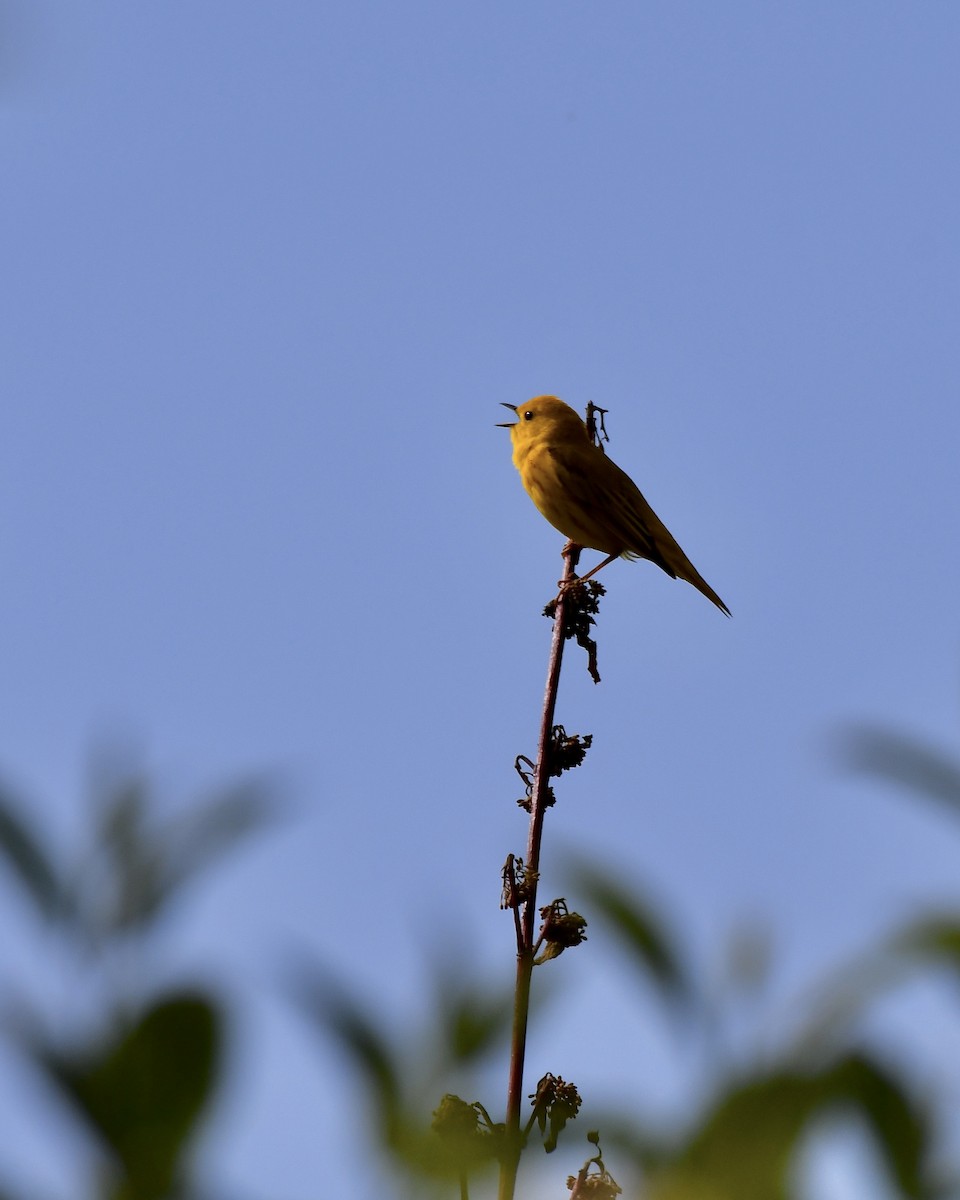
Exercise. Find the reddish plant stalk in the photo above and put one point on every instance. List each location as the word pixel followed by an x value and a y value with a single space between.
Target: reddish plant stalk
pixel 525 954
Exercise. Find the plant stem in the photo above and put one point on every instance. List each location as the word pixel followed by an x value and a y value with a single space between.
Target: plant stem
pixel 538 807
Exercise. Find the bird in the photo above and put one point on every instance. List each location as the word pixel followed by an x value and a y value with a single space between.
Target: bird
pixel 585 495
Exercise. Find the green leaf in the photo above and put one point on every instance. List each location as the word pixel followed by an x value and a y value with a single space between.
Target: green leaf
pixel 902 759
pixel 30 863
pixel 147 864
pixel 131 888
pixel 145 1091
pixel 472 1023
pixel 639 929
pixel 901 1129
pixel 932 941
pixel 212 828
pixel 744 1146
pixel 340 1016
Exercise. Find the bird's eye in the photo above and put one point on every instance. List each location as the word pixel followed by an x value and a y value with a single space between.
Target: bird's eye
pixel 528 415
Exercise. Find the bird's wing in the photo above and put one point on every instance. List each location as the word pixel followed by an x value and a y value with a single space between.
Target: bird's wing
pixel 612 507
pixel 614 516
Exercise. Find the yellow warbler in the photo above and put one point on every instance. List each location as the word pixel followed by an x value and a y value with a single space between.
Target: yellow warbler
pixel 587 497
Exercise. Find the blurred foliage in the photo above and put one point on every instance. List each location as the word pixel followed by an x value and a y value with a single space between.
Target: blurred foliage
pixel 898 758
pixel 751 1118
pixel 743 1145
pixel 640 931
pixel 144 1090
pixel 142 1074
pixel 136 864
pixel 406 1077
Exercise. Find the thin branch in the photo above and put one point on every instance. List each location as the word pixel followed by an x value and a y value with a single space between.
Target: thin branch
pixel 540 801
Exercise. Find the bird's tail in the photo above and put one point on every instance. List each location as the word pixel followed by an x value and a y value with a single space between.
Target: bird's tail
pixel 692 575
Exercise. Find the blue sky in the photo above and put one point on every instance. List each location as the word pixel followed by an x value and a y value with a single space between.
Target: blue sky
pixel 268 272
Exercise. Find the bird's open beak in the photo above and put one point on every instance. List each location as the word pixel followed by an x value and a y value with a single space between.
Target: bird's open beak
pixel 507 424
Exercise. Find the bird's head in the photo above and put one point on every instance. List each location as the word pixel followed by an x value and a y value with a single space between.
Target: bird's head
pixel 545 417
